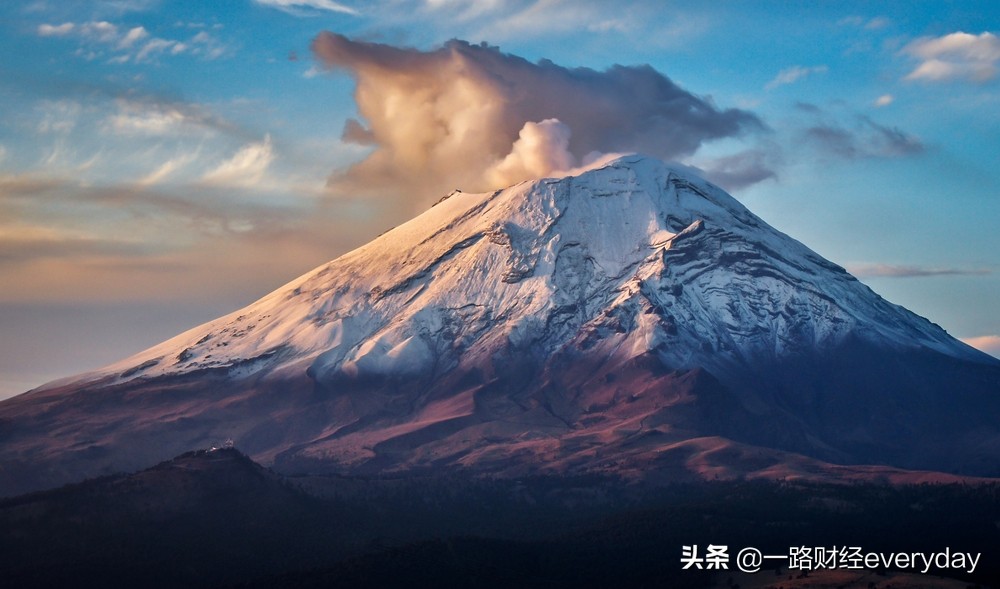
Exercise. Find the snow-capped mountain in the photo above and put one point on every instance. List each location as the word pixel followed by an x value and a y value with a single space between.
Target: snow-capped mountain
pixel 631 318
pixel 582 258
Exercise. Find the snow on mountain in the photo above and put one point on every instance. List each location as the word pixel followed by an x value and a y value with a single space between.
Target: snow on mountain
pixel 630 318
pixel 636 254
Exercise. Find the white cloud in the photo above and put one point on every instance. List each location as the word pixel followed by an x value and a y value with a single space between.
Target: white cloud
pixel 134 35
pixel 884 100
pixel 872 24
pixel 56 30
pixel 246 168
pixel 457 115
pixel 541 149
pixel 794 74
pixel 58 116
pixel 137 118
pixel 102 31
pixel 167 168
pixel 207 46
pixel 157 46
pixel 155 117
pixel 291 5
pixel 955 56
pixel 136 44
pixel 877 23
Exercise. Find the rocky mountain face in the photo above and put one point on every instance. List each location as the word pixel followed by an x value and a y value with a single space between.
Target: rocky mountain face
pixel 631 319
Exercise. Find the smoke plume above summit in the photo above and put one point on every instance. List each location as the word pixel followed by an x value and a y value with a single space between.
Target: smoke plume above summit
pixel 471 117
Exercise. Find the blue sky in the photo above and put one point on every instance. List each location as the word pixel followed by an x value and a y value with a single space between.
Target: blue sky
pixel 162 163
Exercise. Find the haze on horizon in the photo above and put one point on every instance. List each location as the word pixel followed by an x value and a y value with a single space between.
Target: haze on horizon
pixel 162 166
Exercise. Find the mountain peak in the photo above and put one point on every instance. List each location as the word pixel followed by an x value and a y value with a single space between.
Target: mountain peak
pixel 549 326
pixel 490 268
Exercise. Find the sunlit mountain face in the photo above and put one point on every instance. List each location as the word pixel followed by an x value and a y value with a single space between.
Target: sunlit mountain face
pixel 631 320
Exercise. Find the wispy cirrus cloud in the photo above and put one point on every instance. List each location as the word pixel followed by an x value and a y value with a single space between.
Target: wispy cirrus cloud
pixel 131 44
pixel 864 139
pixel 466 10
pixel 146 139
pixel 58 116
pixel 794 74
pixel 903 271
pixel 884 100
pixel 641 22
pixel 246 168
pixel 157 116
pixel 545 17
pixel 956 56
pixel 46 217
pixel 62 238
pixel 19 186
pixel 20 243
pixel 871 24
pixel 144 118
pixel 302 7
pixel 168 168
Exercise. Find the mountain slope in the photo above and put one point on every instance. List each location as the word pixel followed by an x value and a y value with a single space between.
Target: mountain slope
pixel 477 267
pixel 216 519
pixel 203 519
pixel 604 321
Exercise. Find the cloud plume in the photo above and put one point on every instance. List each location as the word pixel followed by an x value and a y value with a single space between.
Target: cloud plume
pixel 540 148
pixel 470 116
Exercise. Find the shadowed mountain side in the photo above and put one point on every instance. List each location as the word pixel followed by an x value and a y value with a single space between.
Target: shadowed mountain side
pixel 216 519
pixel 201 519
pixel 633 420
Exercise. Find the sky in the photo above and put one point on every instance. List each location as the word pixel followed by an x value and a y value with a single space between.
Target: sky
pixel 163 163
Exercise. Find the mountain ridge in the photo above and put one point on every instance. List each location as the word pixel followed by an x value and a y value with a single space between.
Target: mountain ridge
pixel 586 323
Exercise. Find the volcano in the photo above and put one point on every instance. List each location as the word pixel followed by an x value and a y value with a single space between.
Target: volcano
pixel 631 319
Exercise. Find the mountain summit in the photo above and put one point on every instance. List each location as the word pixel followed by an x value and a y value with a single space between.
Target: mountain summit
pixel 631 319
